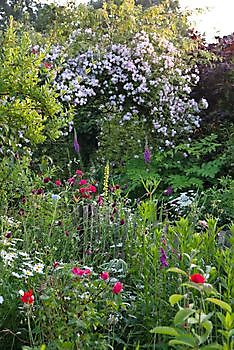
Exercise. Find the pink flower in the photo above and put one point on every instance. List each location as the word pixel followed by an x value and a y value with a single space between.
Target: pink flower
pixel 71 181
pixel 58 183
pixel 92 189
pixel 76 271
pixel 104 275
pixel 79 272
pixel 118 287
pixel 79 172
pixel 203 223
pixel 47 65
pixel 83 182
pixel 87 272
pixel 100 201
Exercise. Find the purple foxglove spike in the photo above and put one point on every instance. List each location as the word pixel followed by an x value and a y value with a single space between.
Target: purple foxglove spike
pixel 75 143
pixel 147 155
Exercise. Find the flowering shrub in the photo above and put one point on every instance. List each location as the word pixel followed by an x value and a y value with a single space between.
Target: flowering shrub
pixel 146 83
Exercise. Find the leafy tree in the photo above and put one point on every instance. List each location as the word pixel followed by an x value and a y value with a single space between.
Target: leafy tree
pixel 29 110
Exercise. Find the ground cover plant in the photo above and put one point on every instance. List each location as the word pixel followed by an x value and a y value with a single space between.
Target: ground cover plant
pixel 116 199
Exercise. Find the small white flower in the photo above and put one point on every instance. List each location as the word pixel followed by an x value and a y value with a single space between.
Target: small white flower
pixel 27 273
pixel 21 292
pixel 38 268
pixel 1 299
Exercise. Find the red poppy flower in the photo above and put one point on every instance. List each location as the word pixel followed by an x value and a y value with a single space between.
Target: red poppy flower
pixel 28 297
pixel 118 287
pixel 58 183
pixel 197 278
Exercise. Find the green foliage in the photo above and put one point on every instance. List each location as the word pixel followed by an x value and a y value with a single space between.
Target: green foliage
pixel 193 324
pixel 187 166
pixel 29 110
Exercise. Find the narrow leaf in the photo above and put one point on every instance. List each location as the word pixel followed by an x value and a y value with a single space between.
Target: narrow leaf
pixel 177 270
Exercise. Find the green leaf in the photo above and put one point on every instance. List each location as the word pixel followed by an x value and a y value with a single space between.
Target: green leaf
pixel 193 285
pixel 177 270
pixel 187 340
pixel 165 330
pixel 208 327
pixel 175 298
pixel 182 316
pixel 220 303
pixel 212 347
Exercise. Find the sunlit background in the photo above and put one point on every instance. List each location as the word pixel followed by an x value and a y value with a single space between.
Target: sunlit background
pixel 216 19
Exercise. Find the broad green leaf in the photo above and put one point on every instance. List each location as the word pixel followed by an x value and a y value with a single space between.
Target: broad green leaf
pixel 182 316
pixel 177 270
pixel 165 330
pixel 208 327
pixel 175 298
pixel 187 340
pixel 220 303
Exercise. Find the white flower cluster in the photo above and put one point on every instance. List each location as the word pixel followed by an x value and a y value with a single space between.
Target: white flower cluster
pixel 146 82
pixel 20 264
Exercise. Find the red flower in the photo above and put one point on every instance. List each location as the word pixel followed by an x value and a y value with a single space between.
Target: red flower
pixel 104 275
pixel 197 278
pixel 82 182
pixel 118 287
pixel 79 173
pixel 122 222
pixel 58 183
pixel 56 264
pixel 28 297
pixel 40 191
pixel 46 180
